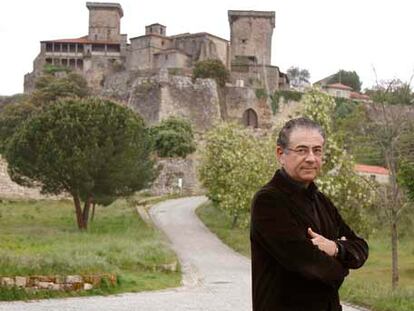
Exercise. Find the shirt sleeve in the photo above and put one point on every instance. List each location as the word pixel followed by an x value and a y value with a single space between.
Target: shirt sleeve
pixel 276 230
pixel 354 250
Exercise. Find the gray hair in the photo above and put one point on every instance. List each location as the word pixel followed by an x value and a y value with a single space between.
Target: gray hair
pixel 291 125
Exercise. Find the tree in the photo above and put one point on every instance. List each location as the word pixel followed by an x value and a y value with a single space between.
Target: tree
pixel 173 137
pixel 11 117
pixel 349 78
pixel 386 127
pixel 234 165
pixel 55 83
pixel 92 149
pixel 298 77
pixel 406 178
pixel 211 68
pixel 338 179
pixel 392 92
pixel 50 87
pixel 352 135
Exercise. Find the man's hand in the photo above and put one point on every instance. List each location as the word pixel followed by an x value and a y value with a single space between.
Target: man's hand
pixel 324 244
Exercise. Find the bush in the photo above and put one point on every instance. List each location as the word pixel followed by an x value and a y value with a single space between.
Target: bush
pixel 173 137
pixel 351 195
pixel 234 165
pixel 211 68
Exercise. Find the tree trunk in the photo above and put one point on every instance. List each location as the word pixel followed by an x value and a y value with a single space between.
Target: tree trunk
pixel 394 251
pixel 78 210
pixel 234 223
pixel 85 213
pixel 93 211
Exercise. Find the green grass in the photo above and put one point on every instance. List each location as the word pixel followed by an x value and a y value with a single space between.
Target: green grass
pixel 41 238
pixel 369 286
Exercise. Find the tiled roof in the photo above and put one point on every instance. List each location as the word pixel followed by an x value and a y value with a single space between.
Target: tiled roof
pixel 371 169
pixel 356 95
pixel 339 86
pixel 82 40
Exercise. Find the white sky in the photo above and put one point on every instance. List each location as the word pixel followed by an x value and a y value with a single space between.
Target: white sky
pixel 322 36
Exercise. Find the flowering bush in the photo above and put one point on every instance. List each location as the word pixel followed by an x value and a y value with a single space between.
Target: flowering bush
pixel 235 164
pixel 350 193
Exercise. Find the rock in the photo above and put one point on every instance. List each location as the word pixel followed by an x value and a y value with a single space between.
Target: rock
pixel 95 280
pixel 59 279
pixel 56 287
pixel 78 286
pixel 87 286
pixel 73 279
pixel 170 267
pixel 20 281
pixel 5 281
pixel 45 285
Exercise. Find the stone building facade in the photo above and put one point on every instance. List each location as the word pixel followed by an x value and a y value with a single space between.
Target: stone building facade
pixel 94 56
pixel 105 52
pixel 152 74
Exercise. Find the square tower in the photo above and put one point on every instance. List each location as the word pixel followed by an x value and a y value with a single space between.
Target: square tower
pixel 251 36
pixel 104 21
pixel 156 29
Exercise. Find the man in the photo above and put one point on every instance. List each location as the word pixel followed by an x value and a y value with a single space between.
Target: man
pixel 301 247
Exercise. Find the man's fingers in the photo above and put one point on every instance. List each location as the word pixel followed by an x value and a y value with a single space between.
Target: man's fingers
pixel 312 234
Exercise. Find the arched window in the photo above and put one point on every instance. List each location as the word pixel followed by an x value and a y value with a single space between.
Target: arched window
pixel 250 118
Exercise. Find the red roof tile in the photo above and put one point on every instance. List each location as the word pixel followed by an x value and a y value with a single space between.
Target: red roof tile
pixel 339 86
pixel 372 169
pixel 356 95
pixel 82 40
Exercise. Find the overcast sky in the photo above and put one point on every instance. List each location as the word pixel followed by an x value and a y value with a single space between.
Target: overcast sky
pixel 322 36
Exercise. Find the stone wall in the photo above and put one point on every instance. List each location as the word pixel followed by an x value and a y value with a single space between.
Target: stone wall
pixel 240 99
pixel 11 190
pixel 55 283
pixel 256 76
pixel 171 170
pixel 158 96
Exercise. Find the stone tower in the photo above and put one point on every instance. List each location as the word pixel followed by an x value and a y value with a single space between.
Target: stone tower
pixel 251 36
pixel 104 21
pixel 156 29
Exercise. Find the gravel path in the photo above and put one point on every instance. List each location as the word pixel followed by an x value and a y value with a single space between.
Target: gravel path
pixel 215 278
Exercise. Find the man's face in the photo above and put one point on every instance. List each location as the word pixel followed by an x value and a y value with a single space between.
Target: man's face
pixel 302 159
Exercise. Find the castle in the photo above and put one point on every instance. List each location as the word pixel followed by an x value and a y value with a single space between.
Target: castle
pixel 152 72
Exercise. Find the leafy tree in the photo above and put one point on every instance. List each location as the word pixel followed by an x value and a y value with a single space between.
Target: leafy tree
pixel 11 117
pixel 173 137
pixel 338 179
pixel 298 77
pixel 349 78
pixel 50 87
pixel 392 92
pixel 234 165
pixel 92 149
pixel 55 83
pixel 211 68
pixel 352 135
pixel 386 127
